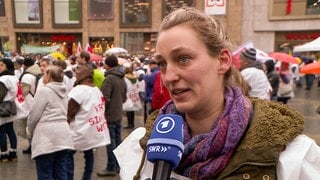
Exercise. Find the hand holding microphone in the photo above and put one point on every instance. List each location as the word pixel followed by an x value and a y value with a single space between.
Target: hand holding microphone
pixel 165 147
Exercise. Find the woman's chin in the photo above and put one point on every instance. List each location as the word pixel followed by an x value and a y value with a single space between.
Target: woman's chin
pixel 183 108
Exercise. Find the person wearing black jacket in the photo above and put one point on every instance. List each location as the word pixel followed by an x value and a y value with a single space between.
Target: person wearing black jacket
pixel 114 90
pixel 273 77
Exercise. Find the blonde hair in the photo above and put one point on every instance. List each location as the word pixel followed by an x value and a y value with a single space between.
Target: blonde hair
pixel 211 32
pixel 55 73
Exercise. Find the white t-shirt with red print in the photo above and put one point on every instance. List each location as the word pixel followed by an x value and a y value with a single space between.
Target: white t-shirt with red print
pixel 89 127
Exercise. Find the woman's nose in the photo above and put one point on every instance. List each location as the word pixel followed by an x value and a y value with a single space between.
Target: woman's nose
pixel 170 74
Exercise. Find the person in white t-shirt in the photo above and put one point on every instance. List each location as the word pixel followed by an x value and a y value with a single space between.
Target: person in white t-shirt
pixel 8 91
pixel 253 74
pixel 18 69
pixel 28 81
pixel 86 108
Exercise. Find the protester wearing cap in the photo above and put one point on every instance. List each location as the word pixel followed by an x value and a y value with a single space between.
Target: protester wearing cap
pixel 248 58
pixel 8 91
pixel 253 74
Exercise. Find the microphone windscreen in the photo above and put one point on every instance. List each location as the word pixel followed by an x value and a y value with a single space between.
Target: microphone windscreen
pixel 166 140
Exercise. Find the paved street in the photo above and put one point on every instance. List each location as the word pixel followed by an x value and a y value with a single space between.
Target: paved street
pixel 24 169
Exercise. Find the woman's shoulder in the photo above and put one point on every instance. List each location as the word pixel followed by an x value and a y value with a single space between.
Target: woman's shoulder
pixel 84 90
pixel 44 91
pixel 272 123
pixel 77 90
pixel 9 80
pixel 252 72
pixel 79 87
pixel 27 78
pixel 8 77
pixel 96 90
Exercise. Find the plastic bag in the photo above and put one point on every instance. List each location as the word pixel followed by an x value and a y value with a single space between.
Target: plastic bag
pixel 7 108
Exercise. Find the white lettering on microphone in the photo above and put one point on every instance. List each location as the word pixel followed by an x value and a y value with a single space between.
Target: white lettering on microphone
pixel 158 149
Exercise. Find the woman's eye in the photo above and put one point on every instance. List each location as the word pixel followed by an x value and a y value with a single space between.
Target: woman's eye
pixel 183 59
pixel 162 65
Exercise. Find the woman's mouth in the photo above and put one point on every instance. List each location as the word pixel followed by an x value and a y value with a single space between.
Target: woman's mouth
pixel 177 92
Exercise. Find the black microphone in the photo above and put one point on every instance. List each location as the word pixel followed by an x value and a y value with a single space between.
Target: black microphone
pixel 165 147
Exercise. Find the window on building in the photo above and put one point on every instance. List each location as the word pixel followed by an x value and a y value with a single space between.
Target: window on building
pixel 313 7
pixel 138 42
pixel 66 13
pixel 101 44
pixel 171 5
pixel 294 9
pixel 132 41
pixel 27 13
pixel 2 9
pixel 98 9
pixel 135 13
pixel 4 43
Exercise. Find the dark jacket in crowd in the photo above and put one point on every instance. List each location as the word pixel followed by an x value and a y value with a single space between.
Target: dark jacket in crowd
pixel 273 77
pixel 114 89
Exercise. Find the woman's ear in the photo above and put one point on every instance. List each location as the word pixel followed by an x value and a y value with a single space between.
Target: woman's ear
pixel 46 78
pixel 225 59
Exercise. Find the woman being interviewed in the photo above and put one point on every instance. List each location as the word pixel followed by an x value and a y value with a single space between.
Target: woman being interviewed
pixel 226 135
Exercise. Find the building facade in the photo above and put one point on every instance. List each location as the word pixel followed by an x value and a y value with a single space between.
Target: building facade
pixel 274 23
pixel 131 24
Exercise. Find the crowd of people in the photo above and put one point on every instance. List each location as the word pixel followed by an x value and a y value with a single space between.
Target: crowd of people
pixel 236 123
pixel 273 79
pixel 72 101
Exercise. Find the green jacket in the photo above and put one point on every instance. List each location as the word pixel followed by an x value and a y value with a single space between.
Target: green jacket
pixel 98 78
pixel 272 127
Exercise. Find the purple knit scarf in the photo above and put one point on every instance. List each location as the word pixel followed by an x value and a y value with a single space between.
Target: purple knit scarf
pixel 206 155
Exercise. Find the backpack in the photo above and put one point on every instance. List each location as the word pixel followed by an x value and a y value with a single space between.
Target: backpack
pixel 38 76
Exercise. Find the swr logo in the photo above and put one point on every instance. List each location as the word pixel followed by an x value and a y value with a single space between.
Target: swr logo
pixel 165 125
